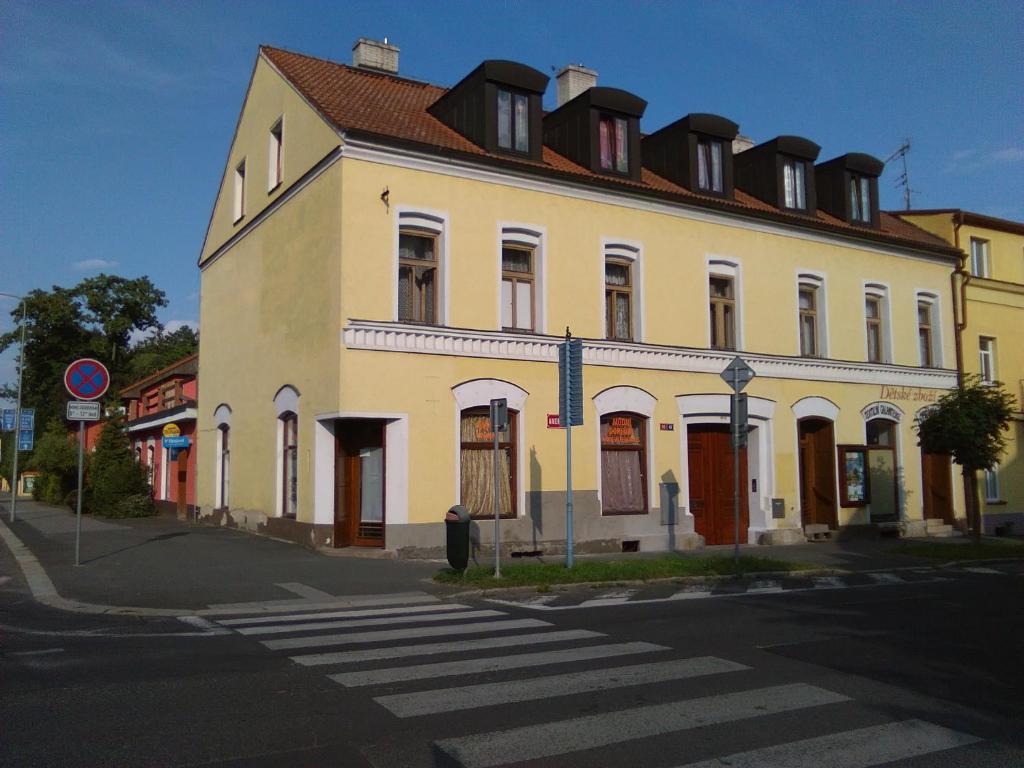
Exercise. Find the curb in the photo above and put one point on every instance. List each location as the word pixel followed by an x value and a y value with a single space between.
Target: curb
pixel 44 591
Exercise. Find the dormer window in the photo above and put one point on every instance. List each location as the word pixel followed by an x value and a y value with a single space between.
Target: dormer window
pixel 513 121
pixel 709 165
pixel 860 199
pixel 794 183
pixel 614 144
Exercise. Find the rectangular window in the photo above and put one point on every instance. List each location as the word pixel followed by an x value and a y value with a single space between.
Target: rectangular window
pixel 808 321
pixel 992 485
pixel 987 358
pixel 224 491
pixel 709 165
pixel 168 396
pixel 924 333
pixel 517 284
pixel 513 121
pixel 274 147
pixel 477 464
pixel 289 464
pixel 979 257
pixel 723 312
pixel 613 144
pixel 618 294
pixel 873 319
pixel 623 464
pixel 860 199
pixel 239 190
pixel 794 184
pixel 417 277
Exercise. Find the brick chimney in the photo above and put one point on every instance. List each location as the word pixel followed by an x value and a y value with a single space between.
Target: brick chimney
pixel 574 79
pixel 375 55
pixel 741 144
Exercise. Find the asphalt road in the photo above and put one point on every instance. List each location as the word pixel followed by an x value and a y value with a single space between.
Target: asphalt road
pixel 925 673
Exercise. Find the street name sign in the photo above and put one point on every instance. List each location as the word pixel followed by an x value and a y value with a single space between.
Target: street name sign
pixel 737 374
pixel 83 410
pixel 176 442
pixel 570 383
pixel 87 379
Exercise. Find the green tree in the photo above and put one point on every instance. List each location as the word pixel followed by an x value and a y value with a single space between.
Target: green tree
pixel 117 482
pixel 969 423
pixel 56 458
pixel 160 350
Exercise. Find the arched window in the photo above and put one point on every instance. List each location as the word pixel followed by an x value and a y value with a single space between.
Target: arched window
pixel 476 457
pixel 289 464
pixel 623 463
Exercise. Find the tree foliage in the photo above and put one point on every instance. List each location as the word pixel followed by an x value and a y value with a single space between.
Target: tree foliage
pixel 116 480
pixel 160 350
pixel 56 459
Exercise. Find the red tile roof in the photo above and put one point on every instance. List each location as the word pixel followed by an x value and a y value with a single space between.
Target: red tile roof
pixel 389 107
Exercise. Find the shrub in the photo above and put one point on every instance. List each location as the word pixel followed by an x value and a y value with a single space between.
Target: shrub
pixel 136 505
pixel 115 475
pixel 49 489
pixel 72 500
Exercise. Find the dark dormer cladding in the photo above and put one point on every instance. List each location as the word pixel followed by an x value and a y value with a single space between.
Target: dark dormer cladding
pixel 694 152
pixel 600 130
pixel 781 173
pixel 848 188
pixel 497 106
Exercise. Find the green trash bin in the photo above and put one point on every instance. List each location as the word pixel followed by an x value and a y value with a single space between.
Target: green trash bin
pixel 456 523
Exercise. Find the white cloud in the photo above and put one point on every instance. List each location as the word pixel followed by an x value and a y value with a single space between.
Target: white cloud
pixel 87 265
pixel 172 325
pixel 971 160
pixel 1008 155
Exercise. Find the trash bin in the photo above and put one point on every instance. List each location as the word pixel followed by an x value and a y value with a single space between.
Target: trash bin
pixel 456 523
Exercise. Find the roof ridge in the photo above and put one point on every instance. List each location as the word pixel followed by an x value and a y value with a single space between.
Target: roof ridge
pixel 357 70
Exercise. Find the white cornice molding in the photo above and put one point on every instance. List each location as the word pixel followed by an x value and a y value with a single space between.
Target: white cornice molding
pixel 458 342
pixel 189 414
pixel 361 149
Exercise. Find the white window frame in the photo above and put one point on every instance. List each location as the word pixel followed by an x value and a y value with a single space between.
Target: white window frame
pixel 285 401
pixel 987 351
pixel 530 236
pixel 627 399
pixel 275 154
pixel 151 463
pixel 165 488
pixel 629 252
pixel 221 419
pixel 881 292
pixel 981 265
pixel 815 280
pixel 480 392
pixel 434 223
pixel 931 298
pixel 718 266
pixel 991 485
pixel 239 196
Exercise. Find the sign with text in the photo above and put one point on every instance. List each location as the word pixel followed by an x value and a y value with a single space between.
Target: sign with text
pixel 83 410
pixel 26 439
pixel 28 418
pixel 172 430
pixel 883 410
pixel 553 421
pixel 176 442
pixel 8 420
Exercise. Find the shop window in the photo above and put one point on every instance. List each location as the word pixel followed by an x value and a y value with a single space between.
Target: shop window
pixel 623 464
pixel 476 443
pixel 289 463
pixel 517 288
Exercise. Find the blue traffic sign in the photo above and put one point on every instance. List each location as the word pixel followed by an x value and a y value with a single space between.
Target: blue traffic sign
pixel 570 383
pixel 8 420
pixel 176 442
pixel 28 418
pixel 26 439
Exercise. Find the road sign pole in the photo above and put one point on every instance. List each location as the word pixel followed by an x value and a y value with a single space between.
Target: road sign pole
pixel 736 463
pixel 78 501
pixel 17 414
pixel 497 500
pixel 569 554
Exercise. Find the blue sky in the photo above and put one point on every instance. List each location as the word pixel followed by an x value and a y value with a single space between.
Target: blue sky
pixel 117 116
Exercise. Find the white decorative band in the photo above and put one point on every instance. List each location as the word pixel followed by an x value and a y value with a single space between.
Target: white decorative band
pixel 459 342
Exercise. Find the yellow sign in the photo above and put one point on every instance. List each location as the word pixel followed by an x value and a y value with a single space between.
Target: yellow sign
pixel 172 430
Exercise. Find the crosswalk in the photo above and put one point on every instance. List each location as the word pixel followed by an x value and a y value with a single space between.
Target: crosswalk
pixel 564 696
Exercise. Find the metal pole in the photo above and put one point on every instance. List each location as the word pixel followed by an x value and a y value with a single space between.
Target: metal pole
pixel 736 460
pixel 569 555
pixel 78 501
pixel 17 414
pixel 497 499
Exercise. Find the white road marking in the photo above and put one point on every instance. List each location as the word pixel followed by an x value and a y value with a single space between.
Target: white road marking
pixel 763 586
pixel 284 606
pixel 490 694
pixel 887 578
pixel 342 614
pixel 303 590
pixel 457 646
pixel 828 582
pixel 200 623
pixel 279 629
pixel 860 748
pixel 492 664
pixel 617 597
pixel 409 633
pixel 983 570
pixel 560 738
pixel 43 652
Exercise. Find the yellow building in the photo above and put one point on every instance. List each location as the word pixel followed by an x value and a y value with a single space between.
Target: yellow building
pixel 990 290
pixel 385 257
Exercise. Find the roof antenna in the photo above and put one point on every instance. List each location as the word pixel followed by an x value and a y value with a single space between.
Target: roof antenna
pixel 903 180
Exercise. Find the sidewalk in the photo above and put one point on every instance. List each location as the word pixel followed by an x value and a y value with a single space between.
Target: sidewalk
pixel 161 565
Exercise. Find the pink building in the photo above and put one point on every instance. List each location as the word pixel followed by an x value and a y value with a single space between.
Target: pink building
pixel 162 403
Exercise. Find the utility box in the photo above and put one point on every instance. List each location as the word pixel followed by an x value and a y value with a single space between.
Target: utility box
pixel 778 509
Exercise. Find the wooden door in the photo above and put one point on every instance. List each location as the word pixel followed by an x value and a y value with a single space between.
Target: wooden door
pixel 712 499
pixel 937 486
pixel 817 473
pixel 359 484
pixel 182 491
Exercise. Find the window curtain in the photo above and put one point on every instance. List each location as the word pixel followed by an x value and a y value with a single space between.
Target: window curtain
pixel 478 481
pixel 621 481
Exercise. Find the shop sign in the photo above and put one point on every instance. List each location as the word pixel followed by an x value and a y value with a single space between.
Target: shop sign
pixel 172 430
pixel 882 410
pixel 914 394
pixel 620 431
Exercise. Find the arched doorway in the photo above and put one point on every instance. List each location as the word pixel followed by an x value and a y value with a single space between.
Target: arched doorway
pixel 883 470
pixel 817 472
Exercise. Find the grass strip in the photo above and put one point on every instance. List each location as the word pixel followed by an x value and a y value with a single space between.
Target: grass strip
pixel 947 551
pixel 549 574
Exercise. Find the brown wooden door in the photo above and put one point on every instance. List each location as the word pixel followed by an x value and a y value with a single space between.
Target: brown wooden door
pixel 712 500
pixel 359 484
pixel 182 495
pixel 937 485
pixel 817 473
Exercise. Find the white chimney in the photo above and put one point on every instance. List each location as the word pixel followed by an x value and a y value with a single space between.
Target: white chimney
pixel 376 55
pixel 741 144
pixel 574 79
